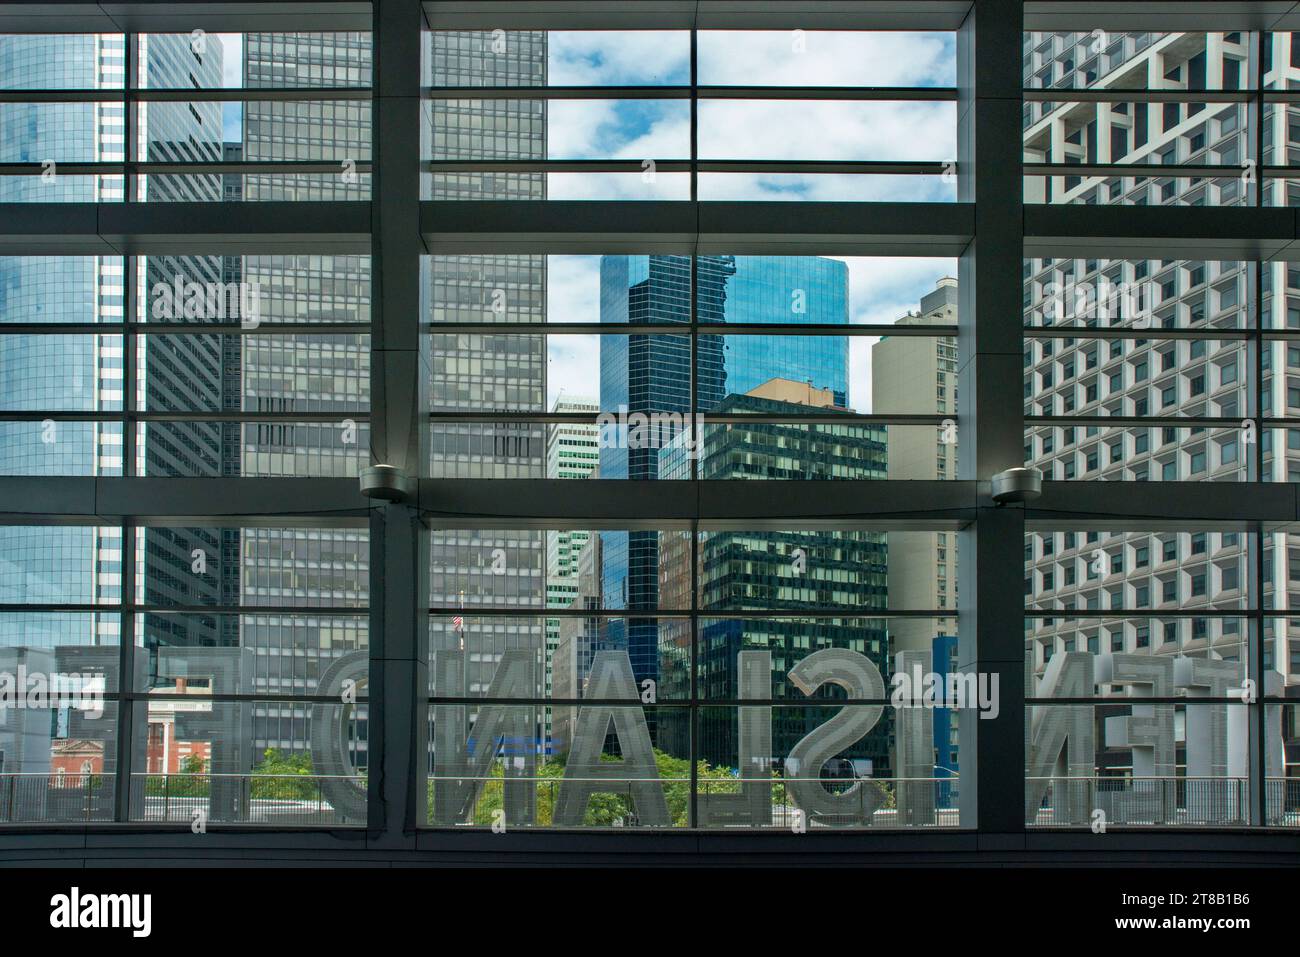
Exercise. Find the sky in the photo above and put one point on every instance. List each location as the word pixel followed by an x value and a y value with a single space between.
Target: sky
pixel 880 289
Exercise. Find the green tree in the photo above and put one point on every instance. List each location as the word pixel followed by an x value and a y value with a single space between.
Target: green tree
pixel 277 777
pixel 610 808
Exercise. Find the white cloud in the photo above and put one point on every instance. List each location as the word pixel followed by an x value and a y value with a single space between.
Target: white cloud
pixel 732 57
pixel 572 367
pixel 623 58
pixel 767 129
pixel 599 129
pixel 618 186
pixel 881 290
pixel 742 58
pixel 232 59
pixel 827 130
pixel 826 187
pixel 572 288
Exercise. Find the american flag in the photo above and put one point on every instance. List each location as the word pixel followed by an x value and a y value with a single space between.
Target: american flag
pixel 459 622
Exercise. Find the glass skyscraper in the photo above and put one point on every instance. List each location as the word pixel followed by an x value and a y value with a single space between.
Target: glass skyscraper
pixel 84 373
pixel 492 373
pixel 652 374
pixel 292 651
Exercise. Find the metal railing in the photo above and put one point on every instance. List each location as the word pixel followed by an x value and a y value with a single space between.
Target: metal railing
pixel 276 799
pixel 613 803
pixel 48 797
pixel 1157 801
pixel 302 800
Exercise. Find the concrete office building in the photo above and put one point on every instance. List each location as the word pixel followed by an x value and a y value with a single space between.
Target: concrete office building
pixel 652 374
pixel 1091 377
pixel 914 374
pixel 919 374
pixel 486 373
pixel 779 570
pixel 84 372
pixel 292 651
pixel 572 452
pixel 579 640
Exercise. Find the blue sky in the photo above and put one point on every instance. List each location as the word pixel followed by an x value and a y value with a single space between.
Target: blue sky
pixel 645 129
pixel 881 289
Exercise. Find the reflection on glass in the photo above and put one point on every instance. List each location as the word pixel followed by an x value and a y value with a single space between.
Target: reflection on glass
pixel 200 763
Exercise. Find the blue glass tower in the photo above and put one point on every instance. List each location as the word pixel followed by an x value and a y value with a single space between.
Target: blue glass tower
pixel 651 373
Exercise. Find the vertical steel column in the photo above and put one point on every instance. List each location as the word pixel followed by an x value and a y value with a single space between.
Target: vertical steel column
pixel 126 708
pixel 1257 736
pixel 693 813
pixel 399 377
pixel 991 414
pixel 1257 740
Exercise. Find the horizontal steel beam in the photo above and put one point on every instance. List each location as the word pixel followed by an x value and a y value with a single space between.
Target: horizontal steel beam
pixel 188 94
pixel 926 331
pixel 754 167
pixel 813 416
pixel 1161 16
pixel 150 168
pixel 1120 95
pixel 704 14
pixel 91 500
pixel 184 16
pixel 66 845
pixel 886 93
pixel 1169 232
pixel 900 229
pixel 665 504
pixel 522 226
pixel 1155 506
pixel 107 229
pixel 758 505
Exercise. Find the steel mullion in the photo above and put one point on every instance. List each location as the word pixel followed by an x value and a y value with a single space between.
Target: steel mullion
pixel 163 328
pixel 138 94
pixel 151 167
pixel 1117 95
pixel 144 608
pixel 126 677
pixel 514 611
pixel 694 423
pixel 1256 765
pixel 1154 333
pixel 933 94
pixel 680 704
pixel 669 328
pixel 711 418
pixel 1153 170
pixel 1038 613
pixel 1136 421
pixel 61 415
pixel 245 697
pixel 677 165
pixel 1100 700
pixel 130 267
